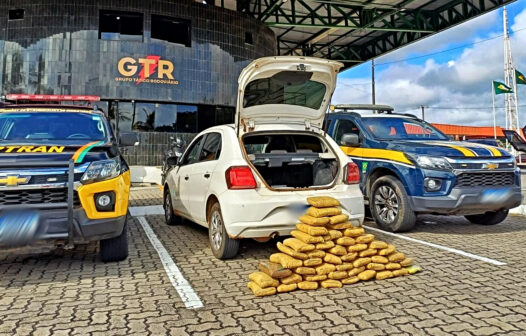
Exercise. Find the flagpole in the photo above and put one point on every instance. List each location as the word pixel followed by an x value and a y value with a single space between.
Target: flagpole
pixel 494 113
pixel 516 99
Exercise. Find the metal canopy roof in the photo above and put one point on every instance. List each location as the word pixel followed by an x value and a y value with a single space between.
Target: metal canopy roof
pixel 354 31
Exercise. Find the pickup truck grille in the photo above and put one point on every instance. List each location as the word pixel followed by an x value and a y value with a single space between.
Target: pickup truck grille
pixel 37 196
pixel 485 179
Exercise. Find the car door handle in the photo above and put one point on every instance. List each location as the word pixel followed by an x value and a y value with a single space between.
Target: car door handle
pixel 207 175
pixel 186 178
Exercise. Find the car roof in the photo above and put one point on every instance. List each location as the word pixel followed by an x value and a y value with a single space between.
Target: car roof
pixel 371 115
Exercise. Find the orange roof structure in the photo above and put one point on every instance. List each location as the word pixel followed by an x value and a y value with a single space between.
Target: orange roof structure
pixel 469 131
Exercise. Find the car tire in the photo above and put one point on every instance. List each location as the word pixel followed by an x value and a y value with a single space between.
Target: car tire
pixel 389 204
pixel 223 247
pixel 115 249
pixel 169 215
pixel 488 218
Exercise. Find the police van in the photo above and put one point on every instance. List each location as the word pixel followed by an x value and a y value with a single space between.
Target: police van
pixel 62 177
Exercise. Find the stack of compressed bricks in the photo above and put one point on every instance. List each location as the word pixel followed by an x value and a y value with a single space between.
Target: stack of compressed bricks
pixel 328 251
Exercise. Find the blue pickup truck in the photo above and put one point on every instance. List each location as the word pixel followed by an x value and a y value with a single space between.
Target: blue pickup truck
pixel 408 167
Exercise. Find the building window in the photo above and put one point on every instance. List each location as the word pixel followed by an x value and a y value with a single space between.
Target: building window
pixel 186 119
pixel 16 14
pixel 125 26
pixel 172 30
pixel 249 38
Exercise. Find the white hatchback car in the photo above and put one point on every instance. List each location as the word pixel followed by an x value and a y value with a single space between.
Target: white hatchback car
pixel 251 179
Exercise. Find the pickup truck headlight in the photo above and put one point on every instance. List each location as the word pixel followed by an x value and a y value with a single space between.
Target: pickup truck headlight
pixel 102 170
pixel 432 162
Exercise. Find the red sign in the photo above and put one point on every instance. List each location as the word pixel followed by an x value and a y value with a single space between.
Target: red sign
pixel 39 97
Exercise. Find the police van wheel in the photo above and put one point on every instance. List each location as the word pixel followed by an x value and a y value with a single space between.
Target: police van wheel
pixel 115 249
pixel 389 205
pixel 488 218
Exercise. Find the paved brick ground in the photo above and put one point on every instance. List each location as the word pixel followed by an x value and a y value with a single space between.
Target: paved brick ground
pixel 72 293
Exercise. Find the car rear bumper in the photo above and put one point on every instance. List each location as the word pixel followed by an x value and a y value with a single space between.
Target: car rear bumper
pixel 249 214
pixel 468 201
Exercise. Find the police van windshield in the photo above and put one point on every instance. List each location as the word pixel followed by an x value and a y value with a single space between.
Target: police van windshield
pixel 392 128
pixel 45 127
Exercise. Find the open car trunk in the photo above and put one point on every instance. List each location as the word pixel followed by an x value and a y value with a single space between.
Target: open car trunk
pixel 292 160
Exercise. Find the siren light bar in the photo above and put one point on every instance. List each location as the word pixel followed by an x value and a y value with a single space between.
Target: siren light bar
pixel 39 97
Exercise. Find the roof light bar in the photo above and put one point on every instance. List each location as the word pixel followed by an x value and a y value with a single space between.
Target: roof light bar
pixel 39 97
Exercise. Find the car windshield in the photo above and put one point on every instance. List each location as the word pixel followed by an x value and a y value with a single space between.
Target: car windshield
pixel 392 128
pixel 38 127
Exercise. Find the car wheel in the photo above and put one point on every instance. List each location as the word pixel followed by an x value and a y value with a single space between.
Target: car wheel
pixel 169 216
pixel 488 218
pixel 115 249
pixel 223 247
pixel 389 205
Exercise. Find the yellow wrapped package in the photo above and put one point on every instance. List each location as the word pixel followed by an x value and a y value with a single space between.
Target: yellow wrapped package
pixel 332 259
pixel 350 280
pixel 294 278
pixel 287 288
pixel 258 291
pixel 345 241
pixel 367 275
pixel 312 230
pixel 351 256
pixel 274 270
pixel 400 272
pixel 338 275
pixel 263 280
pixel 387 251
pixel 331 284
pixel 365 239
pixel 356 271
pixel 357 248
pixel 393 266
pixel 338 250
pixel 312 262
pixel 285 260
pixel 308 285
pixel 345 267
pixel 406 262
pixel 377 245
pixel 309 220
pixel 325 245
pixel 335 234
pixel 327 238
pixel 396 257
pixel 291 252
pixel 316 254
pixel 323 202
pixel 379 259
pixel 375 267
pixel 315 277
pixel 305 270
pixel 325 269
pixel 354 232
pixel 361 262
pixel 323 212
pixel 384 275
pixel 298 245
pixel 368 253
pixel 306 238
pixel 339 219
pixel 339 226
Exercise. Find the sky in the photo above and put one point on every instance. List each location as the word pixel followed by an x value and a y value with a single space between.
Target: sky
pixel 453 85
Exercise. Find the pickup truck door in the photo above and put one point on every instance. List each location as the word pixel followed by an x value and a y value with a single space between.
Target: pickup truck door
pixel 346 126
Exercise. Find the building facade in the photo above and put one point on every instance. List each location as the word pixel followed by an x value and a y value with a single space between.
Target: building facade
pixel 160 67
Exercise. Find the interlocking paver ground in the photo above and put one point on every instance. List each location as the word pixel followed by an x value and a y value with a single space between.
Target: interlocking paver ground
pixel 72 293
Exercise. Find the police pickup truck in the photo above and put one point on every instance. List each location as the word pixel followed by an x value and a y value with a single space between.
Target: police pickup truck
pixel 62 178
pixel 407 167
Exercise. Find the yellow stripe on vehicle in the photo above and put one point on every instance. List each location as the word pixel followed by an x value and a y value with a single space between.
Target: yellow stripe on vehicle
pixel 373 153
pixel 493 150
pixel 464 150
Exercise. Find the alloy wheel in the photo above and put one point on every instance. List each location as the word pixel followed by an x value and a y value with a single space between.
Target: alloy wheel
pixel 216 228
pixel 168 209
pixel 386 204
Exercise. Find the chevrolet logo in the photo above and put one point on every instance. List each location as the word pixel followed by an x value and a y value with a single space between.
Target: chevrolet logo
pixel 14 180
pixel 490 166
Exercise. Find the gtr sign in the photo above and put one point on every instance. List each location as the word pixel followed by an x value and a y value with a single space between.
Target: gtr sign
pixel 150 69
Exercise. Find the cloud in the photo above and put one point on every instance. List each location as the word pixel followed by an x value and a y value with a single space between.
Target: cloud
pixel 456 91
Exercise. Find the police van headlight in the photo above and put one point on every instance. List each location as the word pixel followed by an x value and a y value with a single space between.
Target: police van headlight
pixel 431 162
pixel 102 170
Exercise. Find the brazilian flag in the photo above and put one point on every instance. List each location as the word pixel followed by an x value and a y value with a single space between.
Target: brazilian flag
pixel 520 78
pixel 501 88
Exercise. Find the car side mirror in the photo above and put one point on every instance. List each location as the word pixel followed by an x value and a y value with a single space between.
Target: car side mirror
pixel 172 161
pixel 128 139
pixel 350 140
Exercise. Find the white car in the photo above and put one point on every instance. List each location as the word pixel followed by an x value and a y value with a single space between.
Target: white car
pixel 252 179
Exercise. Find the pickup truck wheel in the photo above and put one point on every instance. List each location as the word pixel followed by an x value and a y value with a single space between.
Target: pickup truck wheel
pixel 115 249
pixel 223 247
pixel 389 205
pixel 169 216
pixel 488 218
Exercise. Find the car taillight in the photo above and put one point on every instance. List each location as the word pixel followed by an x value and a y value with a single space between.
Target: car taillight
pixel 240 177
pixel 352 174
